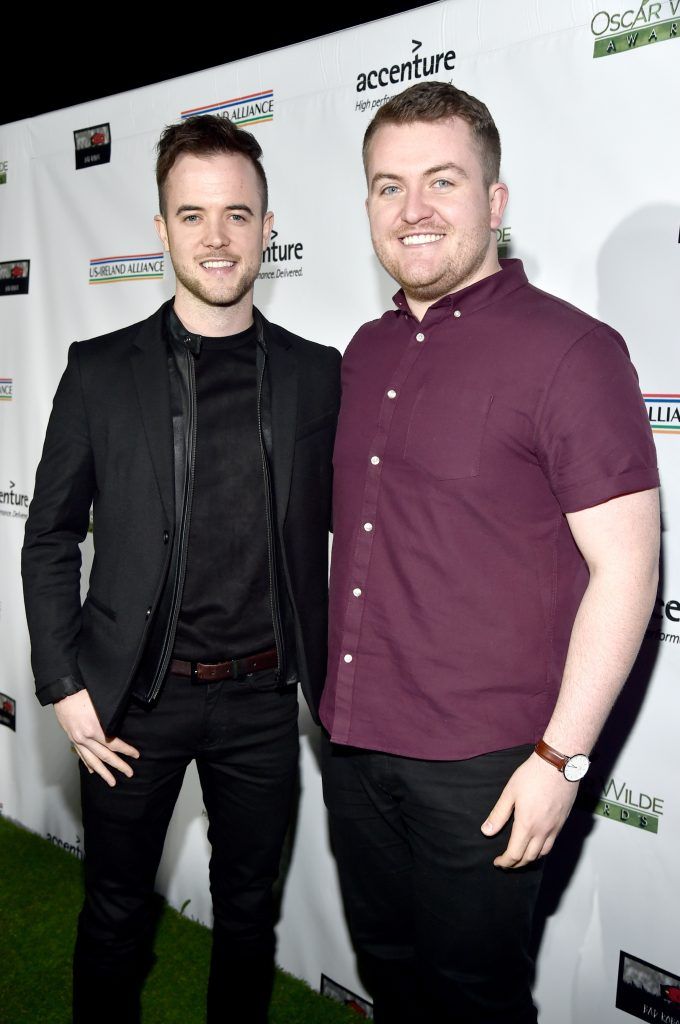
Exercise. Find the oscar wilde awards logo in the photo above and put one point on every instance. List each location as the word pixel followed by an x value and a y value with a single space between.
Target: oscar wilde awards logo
pixel 288 253
pixel 504 242
pixel 652 21
pixel 646 991
pixel 14 275
pixel 146 266
pixel 255 108
pixel 6 389
pixel 402 75
pixel 663 409
pixel 619 800
pixel 13 503
pixel 93 146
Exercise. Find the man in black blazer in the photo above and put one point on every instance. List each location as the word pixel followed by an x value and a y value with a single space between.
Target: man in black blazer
pixel 202 438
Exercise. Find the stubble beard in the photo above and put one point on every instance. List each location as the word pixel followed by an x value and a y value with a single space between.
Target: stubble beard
pixel 454 271
pixel 239 288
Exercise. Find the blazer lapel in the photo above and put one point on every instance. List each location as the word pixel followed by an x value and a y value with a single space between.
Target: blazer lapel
pixel 150 370
pixel 283 384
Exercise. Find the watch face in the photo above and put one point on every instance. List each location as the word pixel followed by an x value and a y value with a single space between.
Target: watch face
pixel 576 767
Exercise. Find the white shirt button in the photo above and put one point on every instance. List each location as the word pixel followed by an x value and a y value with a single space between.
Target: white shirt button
pixel 375 461
pixel 391 393
pixel 357 591
pixel 420 336
pixel 368 527
pixel 457 312
pixel 348 658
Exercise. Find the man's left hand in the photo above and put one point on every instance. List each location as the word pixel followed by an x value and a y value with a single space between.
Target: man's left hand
pixel 541 799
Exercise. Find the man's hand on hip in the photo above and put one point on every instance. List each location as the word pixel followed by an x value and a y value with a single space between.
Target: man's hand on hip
pixel 78 718
pixel 541 798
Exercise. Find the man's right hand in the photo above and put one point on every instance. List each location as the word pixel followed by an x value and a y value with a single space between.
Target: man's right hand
pixel 78 718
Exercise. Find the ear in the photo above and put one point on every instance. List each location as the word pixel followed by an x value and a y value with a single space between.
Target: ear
pixel 498 200
pixel 161 230
pixel 267 225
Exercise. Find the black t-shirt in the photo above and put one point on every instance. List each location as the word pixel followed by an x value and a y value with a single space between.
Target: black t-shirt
pixel 226 604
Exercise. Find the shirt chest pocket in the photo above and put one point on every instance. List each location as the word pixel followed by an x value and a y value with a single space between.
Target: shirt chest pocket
pixel 446 431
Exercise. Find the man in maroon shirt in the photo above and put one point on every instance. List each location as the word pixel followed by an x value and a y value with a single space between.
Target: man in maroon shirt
pixel 495 563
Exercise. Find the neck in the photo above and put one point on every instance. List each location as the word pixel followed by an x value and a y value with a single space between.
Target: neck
pixel 419 307
pixel 213 321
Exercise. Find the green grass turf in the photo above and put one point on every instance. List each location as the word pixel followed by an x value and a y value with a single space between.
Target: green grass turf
pixel 41 893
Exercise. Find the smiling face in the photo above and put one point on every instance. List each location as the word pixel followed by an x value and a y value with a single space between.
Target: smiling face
pixel 215 231
pixel 432 216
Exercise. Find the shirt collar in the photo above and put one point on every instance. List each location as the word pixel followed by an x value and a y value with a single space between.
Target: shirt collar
pixel 179 333
pixel 475 296
pixel 194 342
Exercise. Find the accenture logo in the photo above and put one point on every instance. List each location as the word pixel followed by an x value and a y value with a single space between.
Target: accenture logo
pixel 254 108
pixel 652 21
pixel 412 70
pixel 74 848
pixel 13 503
pixel 290 253
pixel 147 266
pixel 665 612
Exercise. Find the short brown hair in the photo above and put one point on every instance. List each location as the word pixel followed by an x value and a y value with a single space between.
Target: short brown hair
pixel 201 136
pixel 439 101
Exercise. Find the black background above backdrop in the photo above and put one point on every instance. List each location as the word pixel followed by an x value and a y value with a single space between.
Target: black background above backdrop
pixel 58 65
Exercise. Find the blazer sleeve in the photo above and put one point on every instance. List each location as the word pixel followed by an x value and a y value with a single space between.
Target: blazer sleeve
pixel 57 523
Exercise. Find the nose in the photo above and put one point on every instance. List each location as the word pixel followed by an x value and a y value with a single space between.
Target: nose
pixel 415 207
pixel 216 233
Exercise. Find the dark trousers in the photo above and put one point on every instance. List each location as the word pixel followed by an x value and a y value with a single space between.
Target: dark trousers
pixel 440 934
pixel 243 736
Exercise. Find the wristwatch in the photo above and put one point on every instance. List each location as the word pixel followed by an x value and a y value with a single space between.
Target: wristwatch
pixel 573 766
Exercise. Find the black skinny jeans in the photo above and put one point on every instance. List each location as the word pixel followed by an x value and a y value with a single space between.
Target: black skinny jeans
pixel 243 735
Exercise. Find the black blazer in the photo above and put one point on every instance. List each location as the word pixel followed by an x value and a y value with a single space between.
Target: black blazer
pixel 109 445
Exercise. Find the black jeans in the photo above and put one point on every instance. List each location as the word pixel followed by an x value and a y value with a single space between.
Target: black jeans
pixel 440 934
pixel 243 735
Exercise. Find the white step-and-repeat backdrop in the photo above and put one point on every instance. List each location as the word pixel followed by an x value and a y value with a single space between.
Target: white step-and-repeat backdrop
pixel 586 100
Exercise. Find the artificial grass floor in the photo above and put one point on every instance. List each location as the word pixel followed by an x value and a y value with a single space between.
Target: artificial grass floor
pixel 40 897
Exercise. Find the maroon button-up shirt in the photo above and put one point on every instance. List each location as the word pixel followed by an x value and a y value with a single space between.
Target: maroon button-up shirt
pixel 462 441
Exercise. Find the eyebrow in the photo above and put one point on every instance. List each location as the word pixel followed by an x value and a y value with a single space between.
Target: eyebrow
pixel 190 208
pixel 382 175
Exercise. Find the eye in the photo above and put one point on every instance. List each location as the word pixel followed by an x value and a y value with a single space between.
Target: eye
pixel 389 190
pixel 191 218
pixel 238 217
pixel 442 183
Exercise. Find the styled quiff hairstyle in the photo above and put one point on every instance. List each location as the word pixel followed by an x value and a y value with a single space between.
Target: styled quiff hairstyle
pixel 439 101
pixel 203 136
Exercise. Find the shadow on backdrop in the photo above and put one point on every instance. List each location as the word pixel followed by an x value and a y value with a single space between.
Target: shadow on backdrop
pixel 637 295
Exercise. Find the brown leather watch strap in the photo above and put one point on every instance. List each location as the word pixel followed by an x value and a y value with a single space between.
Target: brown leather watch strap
pixel 551 755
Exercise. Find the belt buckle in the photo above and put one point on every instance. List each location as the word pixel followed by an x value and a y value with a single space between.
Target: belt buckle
pixel 236 668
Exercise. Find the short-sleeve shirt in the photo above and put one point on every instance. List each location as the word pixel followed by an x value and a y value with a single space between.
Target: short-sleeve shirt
pixel 463 440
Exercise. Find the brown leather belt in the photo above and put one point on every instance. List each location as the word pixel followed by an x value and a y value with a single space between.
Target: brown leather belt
pixel 233 669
